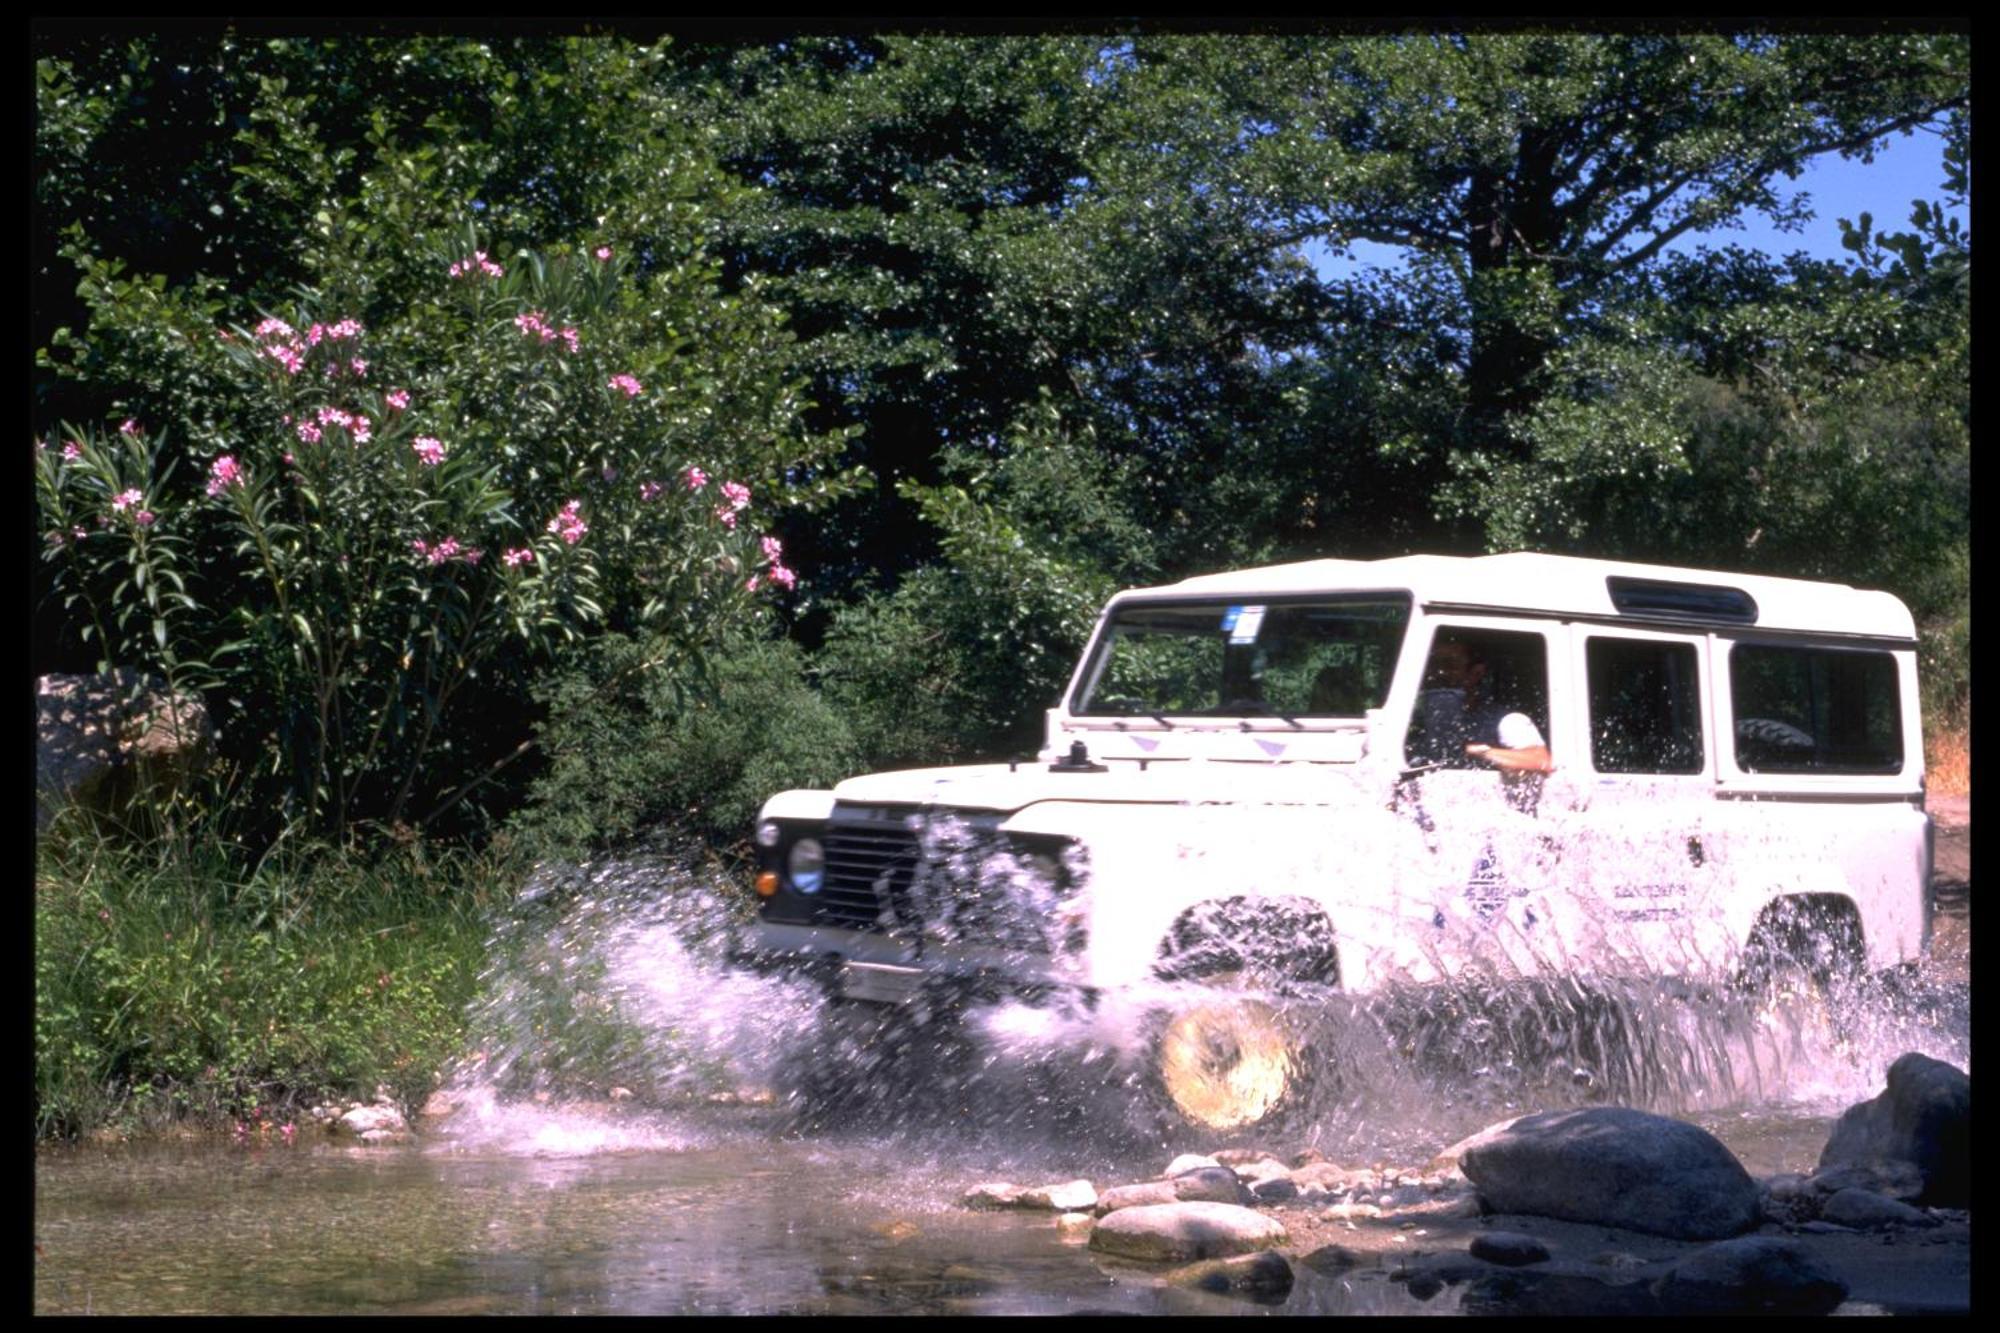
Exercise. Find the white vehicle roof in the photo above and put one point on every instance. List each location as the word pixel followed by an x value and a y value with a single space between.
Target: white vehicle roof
pixel 1522 581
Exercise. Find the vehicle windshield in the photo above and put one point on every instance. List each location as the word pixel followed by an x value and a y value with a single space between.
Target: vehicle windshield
pixel 1320 658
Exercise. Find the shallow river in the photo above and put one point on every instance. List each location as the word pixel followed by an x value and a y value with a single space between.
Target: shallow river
pixel 547 1193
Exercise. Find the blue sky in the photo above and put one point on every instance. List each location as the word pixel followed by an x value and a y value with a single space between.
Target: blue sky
pixel 1906 168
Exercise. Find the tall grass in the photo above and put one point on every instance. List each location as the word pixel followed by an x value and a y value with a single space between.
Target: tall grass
pixel 1948 758
pixel 174 983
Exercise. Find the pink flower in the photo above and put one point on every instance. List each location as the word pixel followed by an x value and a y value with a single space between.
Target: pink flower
pixel 125 500
pixel 314 334
pixel 363 432
pixel 129 426
pixel 750 584
pixel 429 449
pixel 479 263
pixel 347 328
pixel 773 548
pixel 72 451
pixel 726 516
pixel 473 554
pixel 223 473
pixel 531 323
pixel 333 416
pixel 631 386
pixel 520 555
pixel 603 252
pixel 649 489
pixel 780 574
pixel 358 366
pixel 569 337
pixel 420 546
pixel 288 356
pixel 569 524
pixel 443 551
pixel 308 432
pixel 274 325
pixel 144 518
pixel 696 478
pixel 737 494
pixel 397 399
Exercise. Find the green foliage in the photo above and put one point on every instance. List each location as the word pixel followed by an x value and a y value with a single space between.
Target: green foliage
pixel 630 747
pixel 960 660
pixel 404 523
pixel 179 985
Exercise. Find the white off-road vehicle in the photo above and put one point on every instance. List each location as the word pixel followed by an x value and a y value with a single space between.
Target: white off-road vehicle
pixel 1363 774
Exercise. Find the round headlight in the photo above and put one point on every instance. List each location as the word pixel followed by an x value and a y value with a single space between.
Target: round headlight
pixel 806 866
pixel 767 833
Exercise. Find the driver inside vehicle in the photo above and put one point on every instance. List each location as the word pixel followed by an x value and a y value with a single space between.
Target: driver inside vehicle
pixel 1457 717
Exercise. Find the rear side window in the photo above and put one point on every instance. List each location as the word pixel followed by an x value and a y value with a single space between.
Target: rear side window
pixel 1815 710
pixel 1645 706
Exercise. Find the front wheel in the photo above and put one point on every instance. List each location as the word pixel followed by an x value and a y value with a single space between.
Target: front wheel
pixel 1230 1063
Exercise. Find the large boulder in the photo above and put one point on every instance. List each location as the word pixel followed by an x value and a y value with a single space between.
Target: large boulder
pixel 99 739
pixel 1183 1232
pixel 1614 1166
pixel 1923 1116
pixel 1750 1275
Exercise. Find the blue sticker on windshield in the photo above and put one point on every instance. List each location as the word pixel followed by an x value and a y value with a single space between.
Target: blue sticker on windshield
pixel 1230 617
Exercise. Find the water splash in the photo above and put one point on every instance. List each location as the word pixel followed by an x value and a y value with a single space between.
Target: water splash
pixel 613 1020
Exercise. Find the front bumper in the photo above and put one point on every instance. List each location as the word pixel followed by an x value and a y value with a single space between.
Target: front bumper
pixel 949 973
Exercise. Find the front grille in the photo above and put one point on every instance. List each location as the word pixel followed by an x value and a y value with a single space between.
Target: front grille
pixel 868 870
pixel 946 882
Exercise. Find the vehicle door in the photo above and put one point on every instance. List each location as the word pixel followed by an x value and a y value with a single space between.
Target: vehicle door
pixel 1639 846
pixel 1475 895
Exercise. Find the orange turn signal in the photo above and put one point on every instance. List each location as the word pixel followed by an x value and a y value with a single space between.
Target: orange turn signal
pixel 767 883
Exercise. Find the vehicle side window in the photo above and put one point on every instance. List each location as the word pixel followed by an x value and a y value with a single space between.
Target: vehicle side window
pixel 1480 685
pixel 1645 706
pixel 1818 710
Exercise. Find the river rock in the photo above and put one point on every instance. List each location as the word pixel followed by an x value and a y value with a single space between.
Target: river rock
pixel 1865 1210
pixel 100 738
pixel 1922 1116
pixel 1073 1196
pixel 1614 1166
pixel 1320 1175
pixel 1182 1232
pixel 1886 1176
pixel 1333 1259
pixel 1543 1292
pixel 1265 1273
pixel 1453 1158
pixel 374 1125
pixel 1750 1275
pixel 1208 1184
pixel 1511 1249
pixel 1187 1161
pixel 1276 1189
pixel 1075 1228
pixel 1144 1194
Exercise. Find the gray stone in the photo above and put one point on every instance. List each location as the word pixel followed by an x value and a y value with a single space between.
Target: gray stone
pixel 1333 1259
pixel 1265 1273
pixel 1861 1209
pixel 1545 1292
pixel 1509 1248
pixel 1924 1116
pixel 1209 1184
pixel 100 739
pixel 1320 1175
pixel 1073 1196
pixel 1187 1161
pixel 1144 1194
pixel 1277 1189
pixel 374 1125
pixel 1613 1166
pixel 1453 1158
pixel 1183 1232
pixel 1896 1180
pixel 1750 1275
pixel 1075 1227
